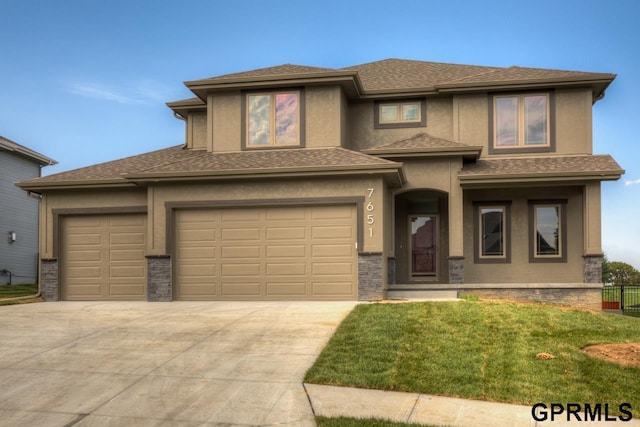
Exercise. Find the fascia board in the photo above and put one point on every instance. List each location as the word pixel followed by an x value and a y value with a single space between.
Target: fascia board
pixel 426 152
pixel 75 184
pixel 521 84
pixel 538 177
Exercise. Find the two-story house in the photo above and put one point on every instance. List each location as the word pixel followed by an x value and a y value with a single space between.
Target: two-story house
pixel 395 177
pixel 18 213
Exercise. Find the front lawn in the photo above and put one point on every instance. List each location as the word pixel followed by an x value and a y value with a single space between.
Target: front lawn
pixel 483 350
pixel 13 291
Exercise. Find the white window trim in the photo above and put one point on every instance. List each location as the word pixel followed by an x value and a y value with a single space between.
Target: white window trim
pixel 399 118
pixel 536 255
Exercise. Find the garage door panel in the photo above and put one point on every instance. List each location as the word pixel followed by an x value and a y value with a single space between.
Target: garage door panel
pixel 338 289
pixel 332 232
pixel 291 269
pixel 81 239
pixel 282 252
pixel 233 252
pixel 286 251
pixel 199 235
pixel 286 233
pixel 235 234
pixel 83 255
pixel 245 270
pixel 241 289
pixel 323 251
pixel 281 289
pixel 103 257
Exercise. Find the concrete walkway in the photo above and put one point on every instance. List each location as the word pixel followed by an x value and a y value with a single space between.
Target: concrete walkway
pixel 417 408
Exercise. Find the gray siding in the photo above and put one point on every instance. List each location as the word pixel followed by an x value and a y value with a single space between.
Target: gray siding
pixel 18 213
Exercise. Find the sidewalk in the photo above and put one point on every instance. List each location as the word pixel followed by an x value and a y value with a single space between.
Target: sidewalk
pixel 329 401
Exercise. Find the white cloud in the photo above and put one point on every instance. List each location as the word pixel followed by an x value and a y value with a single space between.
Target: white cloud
pixel 144 92
pixel 627 182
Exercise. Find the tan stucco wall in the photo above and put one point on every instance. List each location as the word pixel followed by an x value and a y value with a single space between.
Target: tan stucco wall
pixel 363 135
pixel 323 116
pixel 520 270
pixel 197 131
pixel 471 120
pixel 574 121
pixel 224 132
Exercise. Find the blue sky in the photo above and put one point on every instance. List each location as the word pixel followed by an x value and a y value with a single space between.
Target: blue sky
pixel 86 81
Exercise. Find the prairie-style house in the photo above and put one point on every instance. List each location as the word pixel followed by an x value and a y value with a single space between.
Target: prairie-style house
pixel 387 179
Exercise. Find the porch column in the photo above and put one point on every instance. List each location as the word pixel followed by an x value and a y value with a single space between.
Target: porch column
pixel 592 233
pixel 456 244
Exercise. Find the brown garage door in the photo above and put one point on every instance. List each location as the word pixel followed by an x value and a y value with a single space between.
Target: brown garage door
pixel 266 253
pixel 102 257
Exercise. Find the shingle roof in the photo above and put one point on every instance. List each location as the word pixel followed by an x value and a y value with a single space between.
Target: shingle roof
pixel 285 69
pixel 7 144
pixel 602 166
pixel 425 144
pixel 180 162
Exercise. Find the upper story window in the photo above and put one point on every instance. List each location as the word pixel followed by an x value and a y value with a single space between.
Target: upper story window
pixel 273 119
pixel 408 113
pixel 522 123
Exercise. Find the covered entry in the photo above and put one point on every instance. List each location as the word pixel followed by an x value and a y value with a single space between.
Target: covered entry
pixel 273 253
pixel 421 237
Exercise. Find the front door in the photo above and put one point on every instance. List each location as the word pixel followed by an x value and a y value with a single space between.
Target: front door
pixel 423 242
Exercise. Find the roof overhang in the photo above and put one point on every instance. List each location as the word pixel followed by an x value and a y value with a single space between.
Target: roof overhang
pixel 348 79
pixel 471 152
pixel 537 179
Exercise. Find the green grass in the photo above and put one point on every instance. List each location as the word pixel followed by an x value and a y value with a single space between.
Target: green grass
pixel 13 291
pixel 360 422
pixel 481 350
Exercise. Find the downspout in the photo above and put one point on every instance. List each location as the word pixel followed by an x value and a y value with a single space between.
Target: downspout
pixel 179 117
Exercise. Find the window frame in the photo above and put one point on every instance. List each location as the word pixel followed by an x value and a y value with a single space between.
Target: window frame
pixel 272 115
pixel 479 258
pixel 399 123
pixel 561 257
pixel 550 146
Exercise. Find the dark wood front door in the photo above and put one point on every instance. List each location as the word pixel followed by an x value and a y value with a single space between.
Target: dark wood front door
pixel 423 242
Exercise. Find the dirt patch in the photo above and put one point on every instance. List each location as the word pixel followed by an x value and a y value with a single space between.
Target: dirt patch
pixel 627 354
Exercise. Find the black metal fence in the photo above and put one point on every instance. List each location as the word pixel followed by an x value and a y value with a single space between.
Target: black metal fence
pixel 624 297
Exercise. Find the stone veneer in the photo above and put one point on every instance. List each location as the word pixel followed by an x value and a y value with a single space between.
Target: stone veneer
pixel 159 278
pixel 456 270
pixel 49 279
pixel 593 268
pixel 579 297
pixel 370 269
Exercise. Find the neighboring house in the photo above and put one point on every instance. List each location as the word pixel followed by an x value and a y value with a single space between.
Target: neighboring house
pixel 390 178
pixel 18 213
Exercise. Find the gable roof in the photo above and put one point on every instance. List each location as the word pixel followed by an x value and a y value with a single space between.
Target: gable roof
pixel 8 145
pixel 181 164
pixel 541 169
pixel 425 145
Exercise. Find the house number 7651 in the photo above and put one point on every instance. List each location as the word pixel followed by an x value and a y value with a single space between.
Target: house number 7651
pixel 370 208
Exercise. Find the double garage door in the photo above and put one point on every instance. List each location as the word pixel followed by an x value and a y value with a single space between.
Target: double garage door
pixel 273 253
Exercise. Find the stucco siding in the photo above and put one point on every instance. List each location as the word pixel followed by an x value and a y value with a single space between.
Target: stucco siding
pixel 520 269
pixel 18 213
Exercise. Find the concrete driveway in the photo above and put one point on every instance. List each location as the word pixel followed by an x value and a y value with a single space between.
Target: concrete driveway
pixel 160 364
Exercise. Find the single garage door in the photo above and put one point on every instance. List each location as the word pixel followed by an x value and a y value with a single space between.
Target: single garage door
pixel 274 253
pixel 102 257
